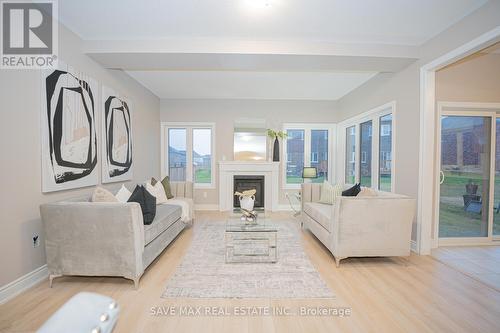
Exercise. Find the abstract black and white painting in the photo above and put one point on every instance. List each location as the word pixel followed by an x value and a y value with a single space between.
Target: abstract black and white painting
pixel 116 137
pixel 68 130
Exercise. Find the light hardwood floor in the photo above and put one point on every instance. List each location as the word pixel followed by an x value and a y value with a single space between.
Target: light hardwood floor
pixel 420 294
pixel 479 262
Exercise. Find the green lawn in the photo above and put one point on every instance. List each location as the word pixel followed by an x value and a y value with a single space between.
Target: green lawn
pixel 203 176
pixel 453 220
pixel 385 182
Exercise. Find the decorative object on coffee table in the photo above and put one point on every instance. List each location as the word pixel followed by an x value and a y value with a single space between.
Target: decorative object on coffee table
pixel 247 199
pixel 249 216
pixel 274 135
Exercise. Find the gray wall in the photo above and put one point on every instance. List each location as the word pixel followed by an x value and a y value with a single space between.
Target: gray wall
pixel 224 112
pixel 404 88
pixel 473 79
pixel 20 140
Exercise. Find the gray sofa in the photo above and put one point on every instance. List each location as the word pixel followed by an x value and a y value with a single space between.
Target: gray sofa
pixel 369 226
pixel 108 239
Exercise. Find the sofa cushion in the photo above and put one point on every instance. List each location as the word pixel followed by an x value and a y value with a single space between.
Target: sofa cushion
pixel 147 202
pixel 321 213
pixel 102 195
pixel 166 215
pixel 330 192
pixel 123 194
pixel 168 189
pixel 353 191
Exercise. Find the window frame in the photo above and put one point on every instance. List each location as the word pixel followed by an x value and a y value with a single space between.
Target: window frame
pixel 374 116
pixel 308 128
pixel 189 126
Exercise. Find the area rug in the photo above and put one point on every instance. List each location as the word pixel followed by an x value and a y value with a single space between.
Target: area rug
pixel 203 272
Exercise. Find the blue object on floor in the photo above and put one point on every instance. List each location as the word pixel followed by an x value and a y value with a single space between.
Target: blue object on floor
pixel 84 313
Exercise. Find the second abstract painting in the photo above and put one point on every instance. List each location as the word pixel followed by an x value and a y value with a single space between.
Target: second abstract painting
pixel 116 137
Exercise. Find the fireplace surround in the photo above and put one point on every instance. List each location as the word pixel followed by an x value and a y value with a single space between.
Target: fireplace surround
pixel 229 169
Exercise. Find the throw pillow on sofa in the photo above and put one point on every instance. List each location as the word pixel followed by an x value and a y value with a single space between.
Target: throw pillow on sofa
pixel 123 194
pixel 367 192
pixel 158 191
pixel 102 195
pixel 353 191
pixel 147 202
pixel 168 189
pixel 329 193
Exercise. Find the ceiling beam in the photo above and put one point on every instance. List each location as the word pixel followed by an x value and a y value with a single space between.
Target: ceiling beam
pixel 215 54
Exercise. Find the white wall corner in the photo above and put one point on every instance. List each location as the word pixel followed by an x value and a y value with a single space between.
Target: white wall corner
pixel 23 283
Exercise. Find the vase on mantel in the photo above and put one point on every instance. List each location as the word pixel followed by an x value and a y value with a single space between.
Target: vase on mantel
pixel 276 150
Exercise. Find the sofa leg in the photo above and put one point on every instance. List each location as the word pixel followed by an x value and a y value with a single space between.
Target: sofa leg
pixel 337 261
pixel 52 277
pixel 136 283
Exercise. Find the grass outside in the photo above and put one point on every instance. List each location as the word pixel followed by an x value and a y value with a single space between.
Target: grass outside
pixel 203 176
pixel 385 181
pixel 454 221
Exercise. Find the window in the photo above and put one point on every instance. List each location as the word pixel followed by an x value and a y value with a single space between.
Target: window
pixel 385 159
pixel 314 157
pixel 202 155
pixel 365 170
pixel 306 145
pixel 189 153
pixel 295 156
pixel 177 158
pixel 363 157
pixel 385 129
pixel 350 170
pixel 319 147
pixel 369 158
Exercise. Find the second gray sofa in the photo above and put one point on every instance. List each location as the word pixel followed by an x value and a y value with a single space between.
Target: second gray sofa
pixel 107 239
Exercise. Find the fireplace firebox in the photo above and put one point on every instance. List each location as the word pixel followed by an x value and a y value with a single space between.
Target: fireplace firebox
pixel 243 183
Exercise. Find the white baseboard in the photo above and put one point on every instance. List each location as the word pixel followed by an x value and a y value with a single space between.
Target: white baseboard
pixel 285 207
pixel 414 246
pixel 206 207
pixel 27 281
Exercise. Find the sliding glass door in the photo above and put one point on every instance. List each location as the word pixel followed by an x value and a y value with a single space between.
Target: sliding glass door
pixel 496 208
pixel 465 176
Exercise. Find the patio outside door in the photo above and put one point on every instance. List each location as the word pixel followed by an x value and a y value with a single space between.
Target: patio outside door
pixel 465 177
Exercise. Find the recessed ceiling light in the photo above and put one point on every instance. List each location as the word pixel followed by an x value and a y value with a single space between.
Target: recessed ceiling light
pixel 257 4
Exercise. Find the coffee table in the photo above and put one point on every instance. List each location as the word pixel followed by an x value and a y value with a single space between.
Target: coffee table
pixel 251 242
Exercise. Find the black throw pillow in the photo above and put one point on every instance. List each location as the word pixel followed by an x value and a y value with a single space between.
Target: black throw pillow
pixel 353 191
pixel 147 202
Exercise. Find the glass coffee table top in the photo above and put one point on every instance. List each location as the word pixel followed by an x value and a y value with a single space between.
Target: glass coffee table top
pixel 235 224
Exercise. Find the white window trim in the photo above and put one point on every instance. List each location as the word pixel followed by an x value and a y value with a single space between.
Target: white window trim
pixel 189 126
pixel 308 127
pixel 373 115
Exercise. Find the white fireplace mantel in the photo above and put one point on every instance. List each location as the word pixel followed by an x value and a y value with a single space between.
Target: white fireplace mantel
pixel 229 169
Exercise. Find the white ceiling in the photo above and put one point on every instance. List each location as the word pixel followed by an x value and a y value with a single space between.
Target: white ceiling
pixel 258 49
pixel 250 85
pixel 408 22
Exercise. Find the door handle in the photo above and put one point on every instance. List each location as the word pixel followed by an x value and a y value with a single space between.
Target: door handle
pixel 441 177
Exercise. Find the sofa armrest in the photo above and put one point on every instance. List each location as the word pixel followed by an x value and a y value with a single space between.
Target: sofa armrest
pixel 94 239
pixel 373 224
pixel 182 189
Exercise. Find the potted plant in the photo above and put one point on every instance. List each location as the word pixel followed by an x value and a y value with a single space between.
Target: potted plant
pixel 470 187
pixel 274 135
